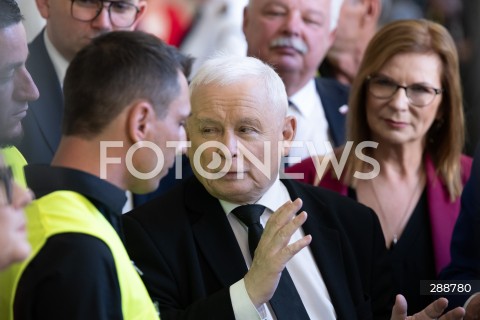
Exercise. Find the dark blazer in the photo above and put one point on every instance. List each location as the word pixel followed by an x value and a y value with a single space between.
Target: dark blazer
pixel 464 249
pixel 42 125
pixel 189 256
pixel 334 95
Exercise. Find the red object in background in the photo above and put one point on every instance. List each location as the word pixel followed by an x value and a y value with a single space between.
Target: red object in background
pixel 179 26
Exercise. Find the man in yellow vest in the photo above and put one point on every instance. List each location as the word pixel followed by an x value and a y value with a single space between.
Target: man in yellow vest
pixel 16 85
pixel 126 97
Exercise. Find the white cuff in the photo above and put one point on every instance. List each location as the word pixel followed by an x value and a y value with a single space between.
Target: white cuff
pixel 243 308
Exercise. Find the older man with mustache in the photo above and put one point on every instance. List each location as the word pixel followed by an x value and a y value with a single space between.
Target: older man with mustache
pixel 294 37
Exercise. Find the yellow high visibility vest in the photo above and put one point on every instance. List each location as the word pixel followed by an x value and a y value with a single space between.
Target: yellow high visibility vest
pixel 16 161
pixel 65 212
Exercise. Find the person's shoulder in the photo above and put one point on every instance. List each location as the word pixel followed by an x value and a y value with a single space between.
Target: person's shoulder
pixel 166 206
pixel 465 167
pixel 62 252
pixel 331 84
pixel 340 210
pixel 466 161
pixel 328 197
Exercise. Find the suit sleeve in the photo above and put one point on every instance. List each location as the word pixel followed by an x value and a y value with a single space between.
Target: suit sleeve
pixel 465 255
pixel 166 283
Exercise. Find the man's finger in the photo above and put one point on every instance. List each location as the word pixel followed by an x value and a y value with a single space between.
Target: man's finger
pixel 399 311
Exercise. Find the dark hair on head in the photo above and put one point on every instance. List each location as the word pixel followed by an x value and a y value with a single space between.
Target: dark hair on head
pixel 9 13
pixel 115 70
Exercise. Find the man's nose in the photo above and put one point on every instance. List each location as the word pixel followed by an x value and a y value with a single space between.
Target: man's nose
pixel 102 21
pixel 25 88
pixel 229 140
pixel 292 23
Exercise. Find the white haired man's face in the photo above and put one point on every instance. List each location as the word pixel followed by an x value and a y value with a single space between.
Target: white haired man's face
pixel 226 124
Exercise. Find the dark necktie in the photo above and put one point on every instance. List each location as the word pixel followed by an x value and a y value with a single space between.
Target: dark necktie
pixel 286 302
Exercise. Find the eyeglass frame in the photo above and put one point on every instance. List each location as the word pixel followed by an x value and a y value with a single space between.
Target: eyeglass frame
pixel 6 178
pixel 99 11
pixel 436 91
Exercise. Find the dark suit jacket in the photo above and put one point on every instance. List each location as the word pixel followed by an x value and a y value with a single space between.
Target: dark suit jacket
pixel 189 255
pixel 464 249
pixel 333 95
pixel 42 125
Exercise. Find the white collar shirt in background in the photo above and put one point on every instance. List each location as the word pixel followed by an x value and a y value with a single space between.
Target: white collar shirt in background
pixel 60 64
pixel 312 125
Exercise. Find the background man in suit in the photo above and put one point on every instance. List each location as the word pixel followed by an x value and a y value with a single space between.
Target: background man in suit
pixel 294 37
pixel 197 261
pixel 70 25
pixel 17 89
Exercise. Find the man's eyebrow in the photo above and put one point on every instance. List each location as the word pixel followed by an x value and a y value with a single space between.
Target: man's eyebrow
pixel 250 121
pixel 205 121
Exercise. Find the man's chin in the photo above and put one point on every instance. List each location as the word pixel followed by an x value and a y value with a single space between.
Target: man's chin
pixel 10 140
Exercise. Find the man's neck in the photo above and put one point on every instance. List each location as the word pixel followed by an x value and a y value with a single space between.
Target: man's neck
pixel 294 82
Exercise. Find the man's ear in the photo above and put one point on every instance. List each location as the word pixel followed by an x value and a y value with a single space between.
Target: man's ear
pixel 245 19
pixel 139 121
pixel 288 133
pixel 373 9
pixel 187 137
pixel 142 6
pixel 331 38
pixel 44 8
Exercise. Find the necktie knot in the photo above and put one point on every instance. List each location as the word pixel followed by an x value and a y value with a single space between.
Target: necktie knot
pixel 249 214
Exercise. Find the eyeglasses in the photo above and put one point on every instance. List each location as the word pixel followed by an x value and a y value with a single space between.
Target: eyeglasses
pixel 122 14
pixel 6 181
pixel 418 95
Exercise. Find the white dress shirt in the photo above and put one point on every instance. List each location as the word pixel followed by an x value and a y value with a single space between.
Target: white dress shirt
pixel 60 64
pixel 312 125
pixel 302 267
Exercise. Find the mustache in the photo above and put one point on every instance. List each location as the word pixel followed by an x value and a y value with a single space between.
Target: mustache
pixel 296 43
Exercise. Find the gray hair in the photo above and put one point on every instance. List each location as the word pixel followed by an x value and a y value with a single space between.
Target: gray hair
pixel 226 70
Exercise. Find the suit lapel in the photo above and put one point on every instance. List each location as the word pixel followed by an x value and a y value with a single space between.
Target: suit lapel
pixel 212 230
pixel 332 99
pixel 48 112
pixel 326 250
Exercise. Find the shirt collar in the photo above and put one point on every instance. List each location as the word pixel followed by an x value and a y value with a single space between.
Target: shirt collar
pixel 303 99
pixel 44 179
pixel 60 64
pixel 273 199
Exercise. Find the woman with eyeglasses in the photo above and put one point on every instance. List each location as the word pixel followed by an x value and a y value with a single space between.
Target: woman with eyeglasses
pixel 407 101
pixel 14 246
